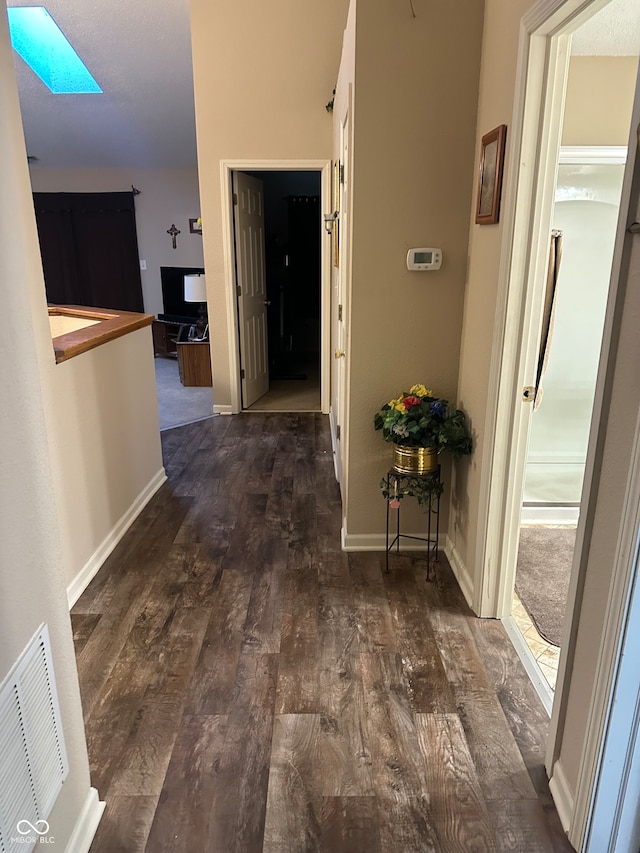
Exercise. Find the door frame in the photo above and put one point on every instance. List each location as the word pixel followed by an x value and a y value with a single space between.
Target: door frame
pixel 586 155
pixel 534 143
pixel 228 249
pixel 341 295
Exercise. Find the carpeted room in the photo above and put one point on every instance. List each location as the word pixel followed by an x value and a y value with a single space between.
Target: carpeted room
pixel 178 404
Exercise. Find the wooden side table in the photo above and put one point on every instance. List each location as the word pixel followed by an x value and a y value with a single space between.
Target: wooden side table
pixel 165 335
pixel 194 363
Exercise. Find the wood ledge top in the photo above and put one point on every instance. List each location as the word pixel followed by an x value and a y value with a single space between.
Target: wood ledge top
pixel 113 324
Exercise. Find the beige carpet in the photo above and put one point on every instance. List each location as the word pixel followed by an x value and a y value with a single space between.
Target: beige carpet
pixel 289 395
pixel 545 558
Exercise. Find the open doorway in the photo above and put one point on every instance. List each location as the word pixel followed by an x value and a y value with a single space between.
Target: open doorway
pixel 277 233
pixel 587 200
pixel 555 51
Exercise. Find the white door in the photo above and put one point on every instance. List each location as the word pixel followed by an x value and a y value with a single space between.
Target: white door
pixel 248 217
pixel 340 290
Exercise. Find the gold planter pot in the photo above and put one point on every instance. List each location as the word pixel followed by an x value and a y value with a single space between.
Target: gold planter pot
pixel 414 460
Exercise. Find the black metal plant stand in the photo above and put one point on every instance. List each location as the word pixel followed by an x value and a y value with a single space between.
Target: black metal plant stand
pixel 431 484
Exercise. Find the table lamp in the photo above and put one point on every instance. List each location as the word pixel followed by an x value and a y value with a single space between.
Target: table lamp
pixel 195 290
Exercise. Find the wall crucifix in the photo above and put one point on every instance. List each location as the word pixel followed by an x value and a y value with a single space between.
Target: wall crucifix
pixel 173 233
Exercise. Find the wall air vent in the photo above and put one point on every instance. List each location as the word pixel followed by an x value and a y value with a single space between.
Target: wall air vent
pixel 33 756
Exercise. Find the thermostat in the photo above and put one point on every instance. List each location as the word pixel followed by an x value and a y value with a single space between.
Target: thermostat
pixel 424 259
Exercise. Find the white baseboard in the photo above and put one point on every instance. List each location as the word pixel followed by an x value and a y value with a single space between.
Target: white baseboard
pixel 562 795
pixel 545 515
pixel 459 570
pixel 186 423
pixel 87 824
pixel 539 682
pixel 95 561
pixel 378 541
pixel 220 409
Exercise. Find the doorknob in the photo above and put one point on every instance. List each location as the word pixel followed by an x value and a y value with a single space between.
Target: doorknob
pixel 340 353
pixel 267 302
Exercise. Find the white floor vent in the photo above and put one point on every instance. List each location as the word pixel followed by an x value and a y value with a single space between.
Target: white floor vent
pixel 33 758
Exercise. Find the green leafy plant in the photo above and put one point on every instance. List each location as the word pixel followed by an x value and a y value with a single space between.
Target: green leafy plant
pixel 422 487
pixel 419 419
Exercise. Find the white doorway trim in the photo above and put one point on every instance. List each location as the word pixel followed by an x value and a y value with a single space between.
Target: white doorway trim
pixel 226 168
pixel 569 513
pixel 533 149
pixel 592 155
pixel 610 766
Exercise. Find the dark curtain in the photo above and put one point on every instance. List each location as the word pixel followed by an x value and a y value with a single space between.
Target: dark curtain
pixel 89 249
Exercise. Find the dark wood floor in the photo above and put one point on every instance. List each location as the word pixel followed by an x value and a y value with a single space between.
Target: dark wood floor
pixel 248 687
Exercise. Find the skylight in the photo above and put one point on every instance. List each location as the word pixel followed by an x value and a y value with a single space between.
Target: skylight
pixel 37 38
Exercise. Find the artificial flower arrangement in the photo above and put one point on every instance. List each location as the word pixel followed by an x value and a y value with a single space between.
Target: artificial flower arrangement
pixel 418 419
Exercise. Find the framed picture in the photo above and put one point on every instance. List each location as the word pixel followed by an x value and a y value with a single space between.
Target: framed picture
pixel 195 226
pixel 490 176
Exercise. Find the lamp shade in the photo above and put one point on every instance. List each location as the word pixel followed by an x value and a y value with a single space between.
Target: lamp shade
pixel 195 288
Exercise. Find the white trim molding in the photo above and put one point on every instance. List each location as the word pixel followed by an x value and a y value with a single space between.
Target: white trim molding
pixel 95 561
pixel 226 196
pixel 608 654
pixel 545 515
pixel 591 155
pixel 535 145
pixel 547 16
pixel 378 541
pixel 562 795
pixel 186 423
pixel 223 409
pixel 540 683
pixel 461 572
pixel 609 659
pixel 85 829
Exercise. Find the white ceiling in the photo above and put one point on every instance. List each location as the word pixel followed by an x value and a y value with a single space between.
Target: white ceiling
pixel 139 51
pixel 613 31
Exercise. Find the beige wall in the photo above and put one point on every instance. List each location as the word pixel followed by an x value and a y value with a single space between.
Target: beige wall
pixel 105 433
pixel 166 196
pixel 608 110
pixel 32 586
pixel 105 444
pixel 495 106
pixel 599 98
pixel 262 76
pixel 414 134
pixel 496 101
